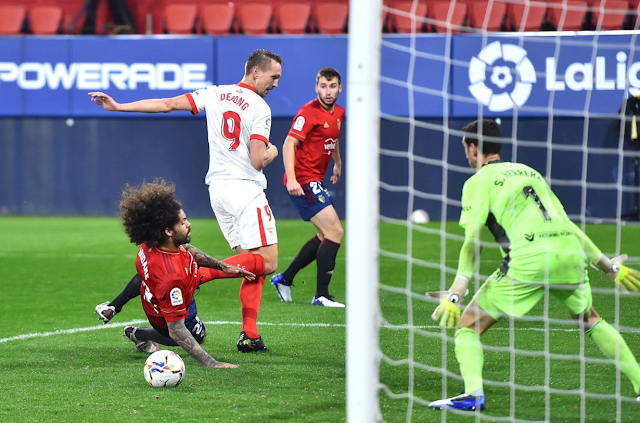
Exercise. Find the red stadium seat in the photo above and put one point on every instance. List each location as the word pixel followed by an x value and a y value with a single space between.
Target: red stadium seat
pixel 45 20
pixel 453 13
pixel 330 17
pixel 254 18
pixel 405 24
pixel 527 16
pixel 11 19
pixel 569 18
pixel 488 14
pixel 179 18
pixel 615 12
pixel 217 18
pixel 293 18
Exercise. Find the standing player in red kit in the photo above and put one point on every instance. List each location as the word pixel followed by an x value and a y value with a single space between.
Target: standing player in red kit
pixel 154 219
pixel 311 143
pixel 238 126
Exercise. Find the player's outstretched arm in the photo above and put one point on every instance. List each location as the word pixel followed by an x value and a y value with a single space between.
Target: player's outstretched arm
pixel 156 105
pixel 627 278
pixel 448 311
pixel 205 260
pixel 179 333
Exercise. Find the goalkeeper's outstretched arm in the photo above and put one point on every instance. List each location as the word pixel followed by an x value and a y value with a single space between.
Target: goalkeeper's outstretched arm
pixel 626 277
pixel 448 311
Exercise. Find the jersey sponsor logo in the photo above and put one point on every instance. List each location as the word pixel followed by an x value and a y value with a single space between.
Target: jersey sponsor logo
pixel 299 123
pixel 326 125
pixel 176 297
pixel 145 265
pixel 235 99
pixel 104 76
pixel 555 234
pixel 329 146
pixel 466 208
pixel 339 123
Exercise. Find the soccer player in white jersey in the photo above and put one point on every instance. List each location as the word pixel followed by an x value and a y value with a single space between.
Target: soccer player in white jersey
pixel 239 125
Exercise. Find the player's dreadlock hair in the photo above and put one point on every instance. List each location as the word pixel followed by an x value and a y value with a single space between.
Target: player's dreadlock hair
pixel 262 59
pixel 329 74
pixel 490 128
pixel 148 210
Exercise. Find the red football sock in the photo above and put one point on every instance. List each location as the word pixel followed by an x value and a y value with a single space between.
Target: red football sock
pixel 250 296
pixel 250 291
pixel 254 263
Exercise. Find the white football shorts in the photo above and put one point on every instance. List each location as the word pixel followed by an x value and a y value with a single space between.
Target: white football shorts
pixel 243 213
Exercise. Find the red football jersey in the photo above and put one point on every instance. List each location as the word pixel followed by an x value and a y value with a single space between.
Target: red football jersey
pixel 318 130
pixel 169 279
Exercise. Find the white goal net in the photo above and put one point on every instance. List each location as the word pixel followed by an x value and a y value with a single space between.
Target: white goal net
pixel 563 94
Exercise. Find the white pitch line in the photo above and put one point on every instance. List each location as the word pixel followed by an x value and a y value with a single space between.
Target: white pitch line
pixel 138 321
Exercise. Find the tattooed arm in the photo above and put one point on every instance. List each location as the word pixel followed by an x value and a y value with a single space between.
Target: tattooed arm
pixel 205 260
pixel 179 333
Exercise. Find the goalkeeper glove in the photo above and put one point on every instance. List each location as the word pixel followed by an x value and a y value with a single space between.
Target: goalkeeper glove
pixel 450 313
pixel 625 277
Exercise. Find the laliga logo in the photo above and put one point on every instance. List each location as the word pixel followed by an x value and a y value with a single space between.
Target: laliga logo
pixel 501 76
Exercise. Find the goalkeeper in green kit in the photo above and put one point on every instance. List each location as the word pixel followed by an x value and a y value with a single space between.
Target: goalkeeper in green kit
pixel 542 248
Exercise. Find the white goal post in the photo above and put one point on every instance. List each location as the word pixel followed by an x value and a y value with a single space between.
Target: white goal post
pixel 363 133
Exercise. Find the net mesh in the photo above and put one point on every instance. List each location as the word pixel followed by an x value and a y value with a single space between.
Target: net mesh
pixel 561 99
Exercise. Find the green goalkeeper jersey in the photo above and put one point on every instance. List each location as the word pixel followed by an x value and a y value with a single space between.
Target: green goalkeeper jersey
pixel 526 219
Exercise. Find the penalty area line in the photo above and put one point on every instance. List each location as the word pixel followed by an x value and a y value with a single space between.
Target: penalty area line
pixel 138 321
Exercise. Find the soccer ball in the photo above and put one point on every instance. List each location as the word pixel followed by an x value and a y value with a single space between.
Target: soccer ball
pixel 164 368
pixel 420 216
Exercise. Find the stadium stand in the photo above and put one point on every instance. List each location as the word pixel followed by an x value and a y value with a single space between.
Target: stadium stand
pixel 217 18
pixel 330 17
pixel 45 20
pixel 222 17
pixel 615 12
pixel 254 18
pixel 404 24
pixel 526 17
pixel 488 15
pixel 292 17
pixel 454 13
pixel 11 18
pixel 570 18
pixel 180 18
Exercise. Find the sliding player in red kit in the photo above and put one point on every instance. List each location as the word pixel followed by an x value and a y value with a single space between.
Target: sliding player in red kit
pixel 154 219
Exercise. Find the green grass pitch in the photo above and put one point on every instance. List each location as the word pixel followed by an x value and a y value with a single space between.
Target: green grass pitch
pixel 59 364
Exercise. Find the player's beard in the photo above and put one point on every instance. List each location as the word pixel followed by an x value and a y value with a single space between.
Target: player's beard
pixel 182 239
pixel 327 105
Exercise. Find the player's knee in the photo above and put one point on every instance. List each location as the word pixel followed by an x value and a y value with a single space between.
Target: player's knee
pixel 270 265
pixel 339 234
pixel 199 330
pixel 204 337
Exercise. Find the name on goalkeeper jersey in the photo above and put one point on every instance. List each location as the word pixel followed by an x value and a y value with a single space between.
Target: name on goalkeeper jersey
pixel 521 172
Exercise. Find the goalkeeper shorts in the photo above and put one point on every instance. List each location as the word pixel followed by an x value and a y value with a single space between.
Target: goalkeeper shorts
pixel 501 295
